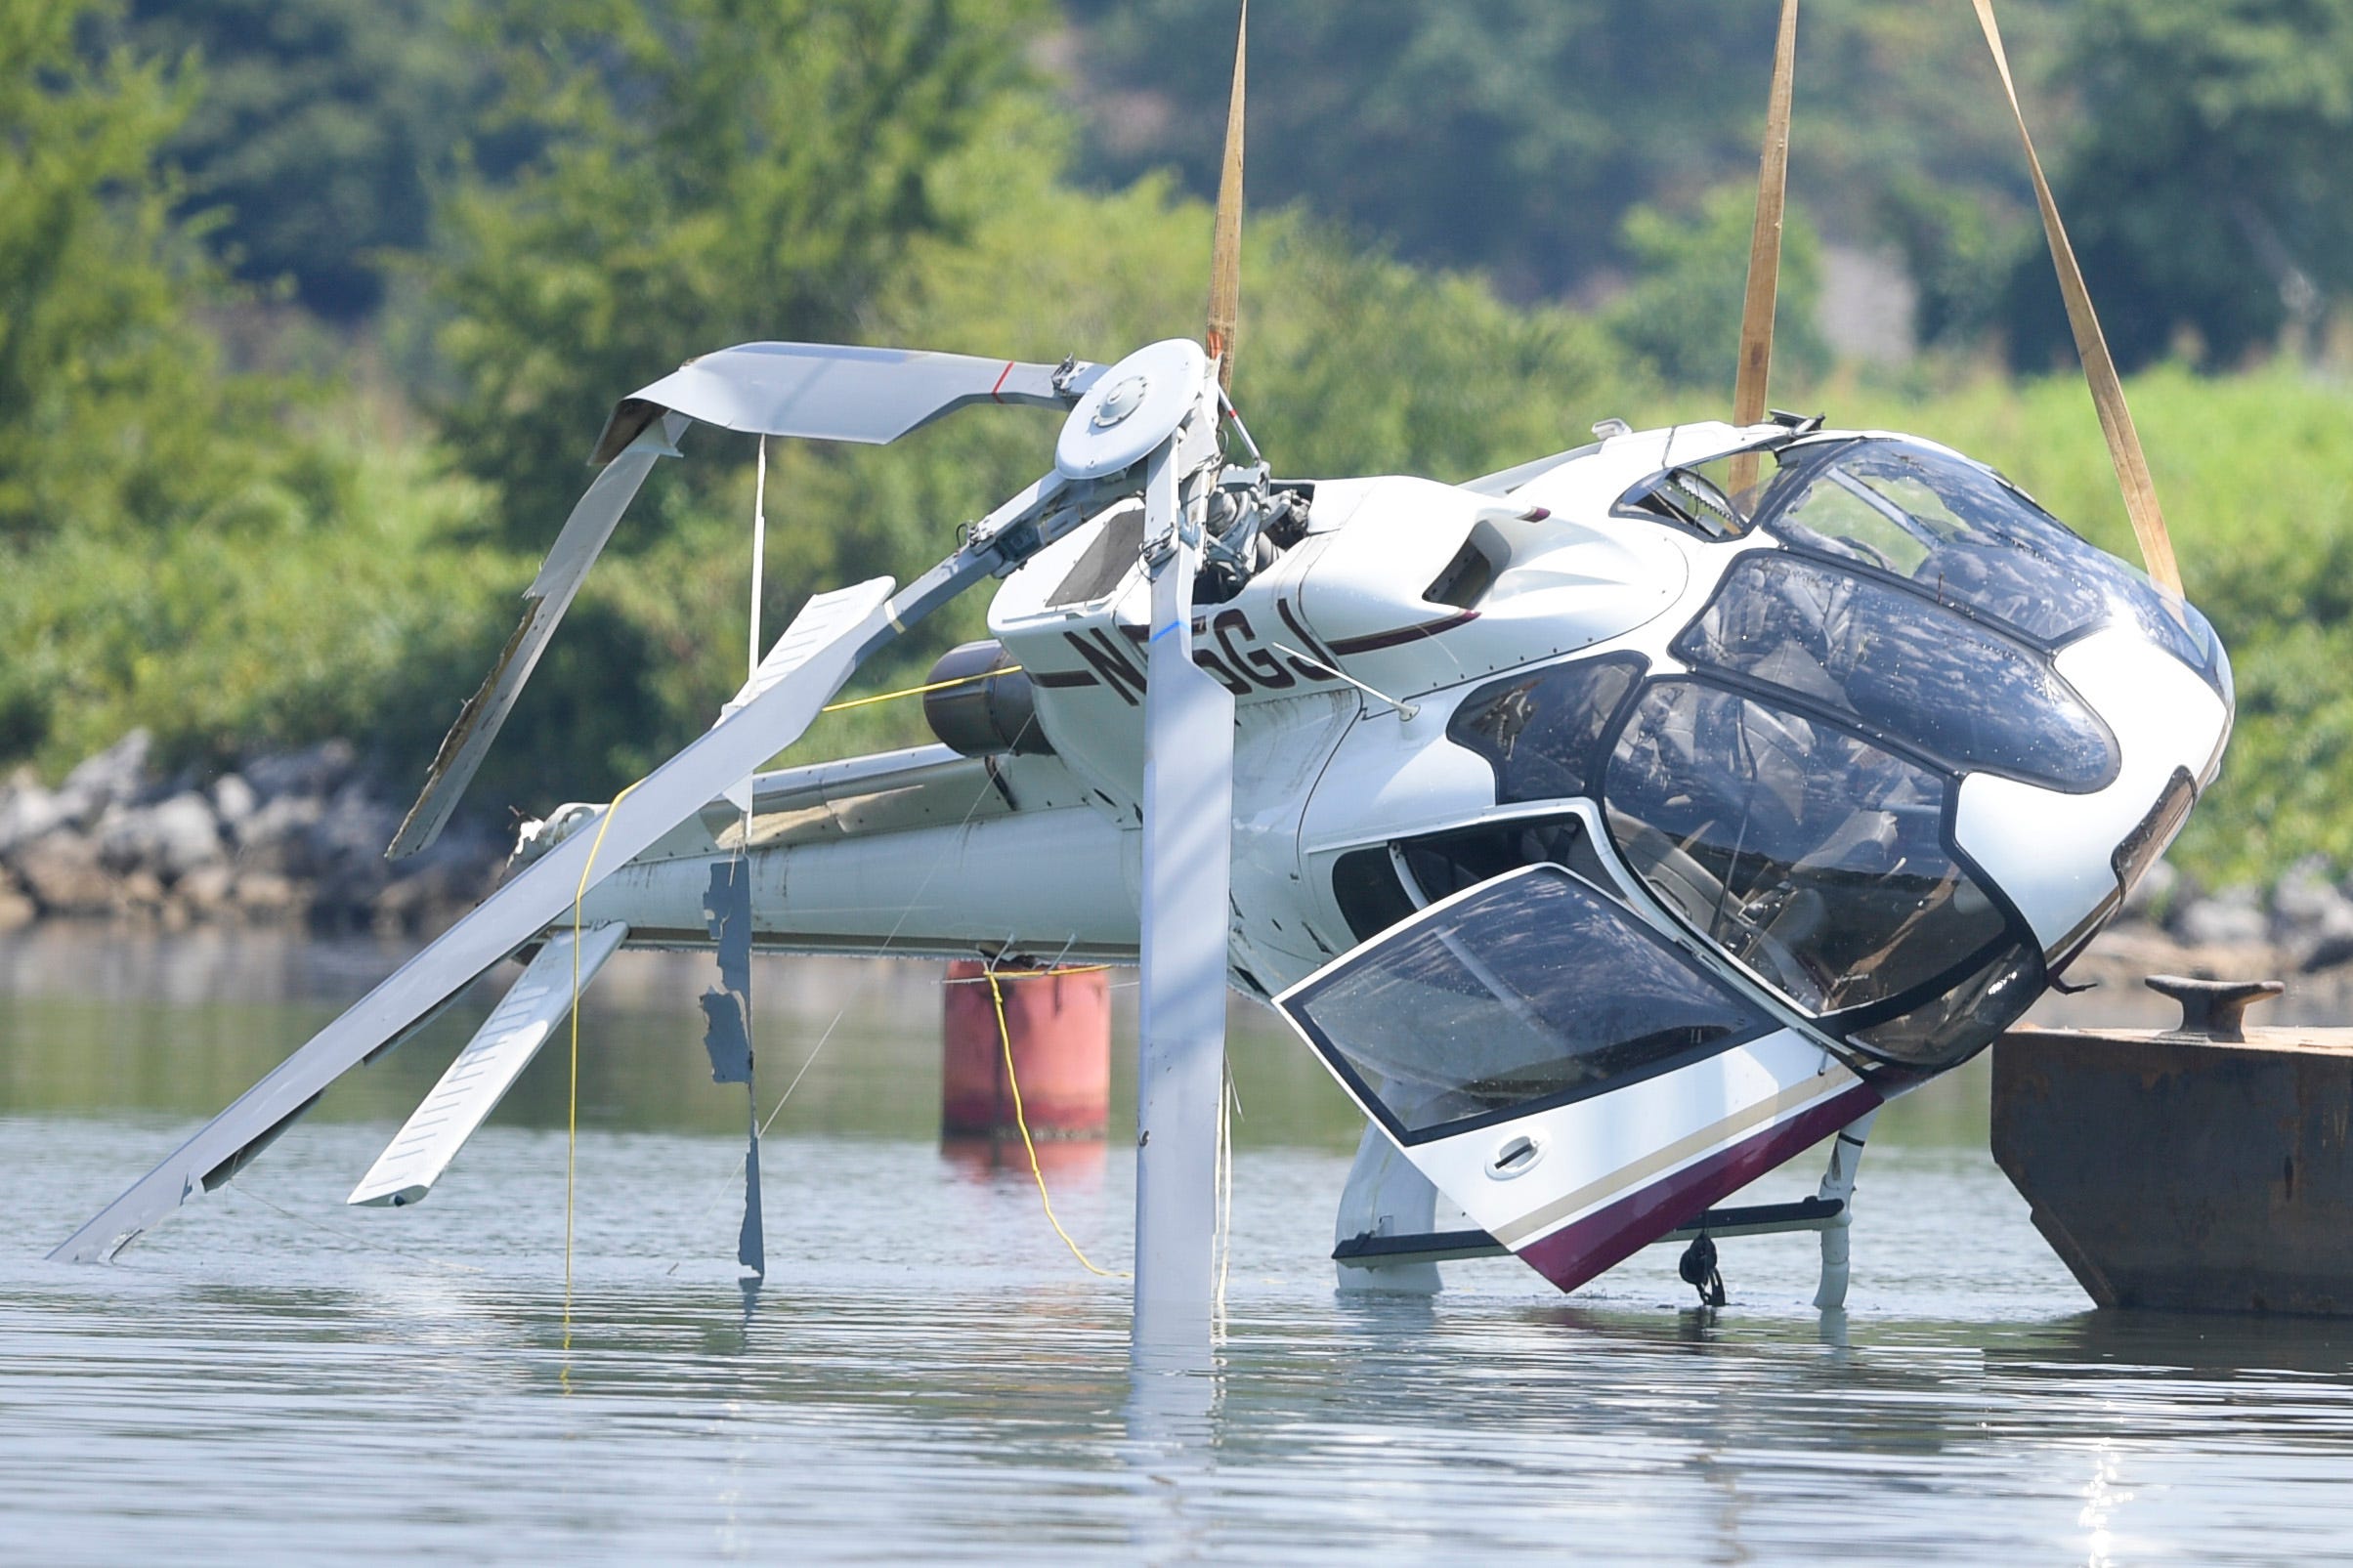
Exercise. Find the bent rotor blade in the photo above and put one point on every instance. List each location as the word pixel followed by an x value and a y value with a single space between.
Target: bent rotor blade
pixel 831 391
pixel 1225 246
pixel 417 1155
pixel 2091 347
pixel 1188 833
pixel 833 632
pixel 586 533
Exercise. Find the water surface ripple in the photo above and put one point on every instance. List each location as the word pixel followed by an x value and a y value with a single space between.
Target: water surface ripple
pixel 273 1378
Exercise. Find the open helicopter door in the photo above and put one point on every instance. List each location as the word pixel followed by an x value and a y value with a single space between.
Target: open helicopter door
pixel 1575 1082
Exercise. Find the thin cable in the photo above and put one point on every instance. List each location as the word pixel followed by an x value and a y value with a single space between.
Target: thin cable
pixel 1005 1035
pixel 759 546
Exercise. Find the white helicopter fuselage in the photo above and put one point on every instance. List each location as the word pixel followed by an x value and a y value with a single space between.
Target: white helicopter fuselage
pixel 1858 840
pixel 925 853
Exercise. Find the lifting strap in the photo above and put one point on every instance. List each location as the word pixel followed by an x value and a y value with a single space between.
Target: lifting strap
pixel 2099 370
pixel 1765 241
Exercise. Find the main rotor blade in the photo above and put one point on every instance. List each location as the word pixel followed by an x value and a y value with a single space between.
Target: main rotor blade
pixel 1764 240
pixel 833 632
pixel 2091 347
pixel 586 533
pixel 1225 247
pixel 836 392
pixel 1181 1052
pixel 479 1078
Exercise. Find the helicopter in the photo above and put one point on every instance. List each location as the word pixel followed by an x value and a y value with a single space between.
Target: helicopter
pixel 1614 828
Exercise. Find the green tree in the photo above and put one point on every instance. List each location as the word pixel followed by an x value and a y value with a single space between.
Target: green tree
pixel 713 171
pixel 181 545
pixel 2208 190
pixel 119 418
pixel 1513 136
pixel 1682 314
pixel 319 133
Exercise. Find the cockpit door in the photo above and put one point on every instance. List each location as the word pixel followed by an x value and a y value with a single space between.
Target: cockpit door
pixel 1575 1082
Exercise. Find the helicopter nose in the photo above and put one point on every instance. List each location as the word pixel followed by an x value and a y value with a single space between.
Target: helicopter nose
pixel 2062 859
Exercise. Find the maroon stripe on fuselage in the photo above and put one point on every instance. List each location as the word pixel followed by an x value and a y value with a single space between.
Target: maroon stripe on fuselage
pixel 1583 1249
pixel 1342 647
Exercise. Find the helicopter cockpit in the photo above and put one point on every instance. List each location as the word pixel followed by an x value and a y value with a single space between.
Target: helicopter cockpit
pixel 1785 781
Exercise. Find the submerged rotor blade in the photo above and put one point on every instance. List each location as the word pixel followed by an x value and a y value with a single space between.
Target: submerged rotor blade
pixel 479 1078
pixel 835 391
pixel 833 631
pixel 1764 240
pixel 1187 844
pixel 2091 347
pixel 550 594
pixel 1225 247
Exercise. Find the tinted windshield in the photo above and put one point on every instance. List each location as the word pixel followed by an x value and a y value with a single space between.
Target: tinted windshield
pixel 1542 733
pixel 1903 668
pixel 1813 856
pixel 1966 537
pixel 1532 988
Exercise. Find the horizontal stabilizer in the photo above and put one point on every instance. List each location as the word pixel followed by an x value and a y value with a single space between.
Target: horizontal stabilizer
pixel 487 1068
pixel 832 392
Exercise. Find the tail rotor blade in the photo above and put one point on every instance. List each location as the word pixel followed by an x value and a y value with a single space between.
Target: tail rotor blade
pixel 1187 829
pixel 1225 249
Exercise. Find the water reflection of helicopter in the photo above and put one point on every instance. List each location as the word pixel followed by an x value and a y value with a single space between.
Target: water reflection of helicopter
pixel 1615 825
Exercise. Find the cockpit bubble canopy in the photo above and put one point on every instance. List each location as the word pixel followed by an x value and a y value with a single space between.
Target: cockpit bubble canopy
pixel 1961 533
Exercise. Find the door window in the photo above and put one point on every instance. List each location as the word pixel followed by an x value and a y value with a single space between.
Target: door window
pixel 1529 991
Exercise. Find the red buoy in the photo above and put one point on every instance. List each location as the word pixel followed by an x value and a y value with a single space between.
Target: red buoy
pixel 1060 1028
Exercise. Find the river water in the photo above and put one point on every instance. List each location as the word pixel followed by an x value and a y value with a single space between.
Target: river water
pixel 928 1373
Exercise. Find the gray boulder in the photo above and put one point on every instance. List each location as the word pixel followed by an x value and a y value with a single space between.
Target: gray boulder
pixel 276 837
pixel 113 777
pixel 62 873
pixel 315 770
pixel 28 811
pixel 169 838
pixel 2231 917
pixel 2310 917
pixel 233 799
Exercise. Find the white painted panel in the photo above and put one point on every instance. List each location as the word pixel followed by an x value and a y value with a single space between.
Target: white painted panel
pixel 2051 852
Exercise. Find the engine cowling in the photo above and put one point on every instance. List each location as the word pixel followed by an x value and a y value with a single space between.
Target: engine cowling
pixel 991 711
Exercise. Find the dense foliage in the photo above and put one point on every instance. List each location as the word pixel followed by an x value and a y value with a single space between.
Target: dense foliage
pixel 541 206
pixel 2217 206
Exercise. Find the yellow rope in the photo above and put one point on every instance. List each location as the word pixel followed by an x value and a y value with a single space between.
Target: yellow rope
pixel 916 690
pixel 571 1107
pixel 1005 1035
pixel 986 977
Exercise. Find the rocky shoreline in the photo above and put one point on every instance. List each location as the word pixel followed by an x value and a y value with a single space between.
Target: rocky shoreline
pixel 284 838
pixel 296 838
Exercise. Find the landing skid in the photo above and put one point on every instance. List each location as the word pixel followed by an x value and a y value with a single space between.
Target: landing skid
pixel 1388 1240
